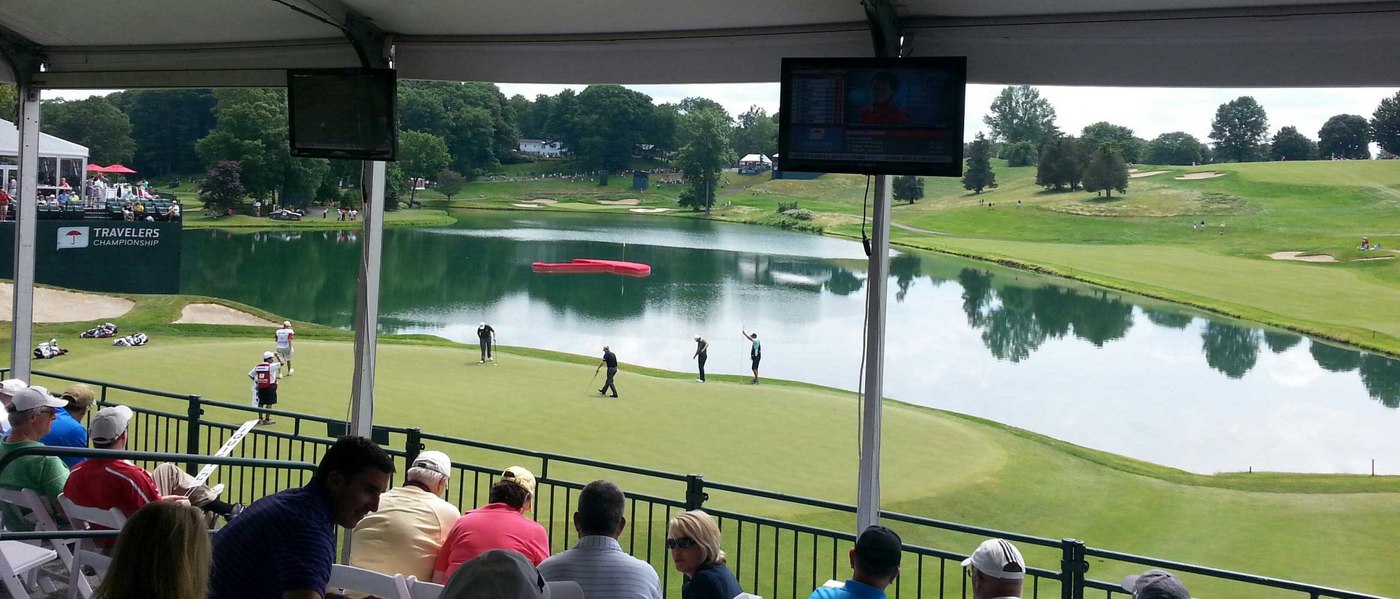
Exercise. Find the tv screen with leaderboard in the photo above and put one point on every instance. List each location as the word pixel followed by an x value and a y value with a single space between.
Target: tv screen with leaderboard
pixel 342 113
pixel 872 116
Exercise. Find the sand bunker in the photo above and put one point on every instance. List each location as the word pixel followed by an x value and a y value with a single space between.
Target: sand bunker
pixel 543 201
pixel 626 202
pixel 649 210
pixel 1136 174
pixel 1299 257
pixel 1195 176
pixel 54 305
pixel 527 205
pixel 217 314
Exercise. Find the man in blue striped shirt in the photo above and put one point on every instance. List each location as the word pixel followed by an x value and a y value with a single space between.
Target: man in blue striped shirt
pixel 597 562
pixel 283 545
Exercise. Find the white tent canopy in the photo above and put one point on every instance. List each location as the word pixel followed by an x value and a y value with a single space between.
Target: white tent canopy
pixel 48 144
pixel 755 159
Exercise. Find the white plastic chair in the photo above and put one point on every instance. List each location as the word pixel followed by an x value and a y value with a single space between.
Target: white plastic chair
pixel 350 578
pixel 78 587
pixel 83 518
pixel 35 510
pixel 418 589
pixel 18 559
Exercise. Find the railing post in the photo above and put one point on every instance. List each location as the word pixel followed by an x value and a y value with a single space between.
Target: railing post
pixel 413 444
pixel 1073 566
pixel 695 495
pixel 192 432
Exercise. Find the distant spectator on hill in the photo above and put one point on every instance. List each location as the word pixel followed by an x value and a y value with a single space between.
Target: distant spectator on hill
pixel 162 553
pixel 875 564
pixel 67 429
pixel 694 541
pixel 406 533
pixel 597 562
pixel 283 545
pixel 500 524
pixel 1155 584
pixel 32 411
pixel 996 570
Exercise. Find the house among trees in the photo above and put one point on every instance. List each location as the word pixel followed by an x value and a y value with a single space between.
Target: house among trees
pixel 752 164
pixel 542 148
pixel 655 153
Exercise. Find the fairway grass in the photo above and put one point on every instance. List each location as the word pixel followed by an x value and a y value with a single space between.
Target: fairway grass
pixel 800 439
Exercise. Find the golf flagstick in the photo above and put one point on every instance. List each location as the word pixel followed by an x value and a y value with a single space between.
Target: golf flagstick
pixel 232 442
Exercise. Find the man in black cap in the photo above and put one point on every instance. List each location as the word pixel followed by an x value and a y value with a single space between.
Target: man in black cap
pixel 1155 584
pixel 875 560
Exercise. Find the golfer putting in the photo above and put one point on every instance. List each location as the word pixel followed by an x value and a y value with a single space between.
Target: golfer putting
pixel 486 338
pixel 609 360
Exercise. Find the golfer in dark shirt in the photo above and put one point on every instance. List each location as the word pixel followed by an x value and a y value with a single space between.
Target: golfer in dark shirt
pixel 702 353
pixel 486 337
pixel 609 360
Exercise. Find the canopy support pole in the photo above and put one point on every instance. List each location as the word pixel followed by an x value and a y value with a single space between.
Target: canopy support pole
pixel 367 300
pixel 25 232
pixel 884 30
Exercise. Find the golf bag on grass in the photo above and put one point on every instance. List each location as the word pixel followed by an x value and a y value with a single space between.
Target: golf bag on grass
pixel 48 349
pixel 101 331
pixel 131 340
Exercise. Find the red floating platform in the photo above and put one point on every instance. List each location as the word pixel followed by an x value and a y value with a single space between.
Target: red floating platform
pixel 584 265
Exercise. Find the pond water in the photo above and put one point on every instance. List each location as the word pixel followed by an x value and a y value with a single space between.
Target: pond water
pixel 1098 368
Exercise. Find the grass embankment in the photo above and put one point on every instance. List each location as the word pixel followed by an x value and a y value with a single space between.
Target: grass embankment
pixel 1322 529
pixel 1142 242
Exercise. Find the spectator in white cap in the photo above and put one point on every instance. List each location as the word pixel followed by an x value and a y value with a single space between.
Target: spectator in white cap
pixel 8 389
pixel 503 574
pixel 996 569
pixel 500 524
pixel 32 411
pixel 406 533
pixel 113 483
pixel 1155 584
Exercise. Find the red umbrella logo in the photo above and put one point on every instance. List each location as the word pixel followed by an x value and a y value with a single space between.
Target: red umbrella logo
pixel 72 237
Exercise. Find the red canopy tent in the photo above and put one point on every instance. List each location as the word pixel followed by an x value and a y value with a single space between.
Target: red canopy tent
pixel 94 168
pixel 118 169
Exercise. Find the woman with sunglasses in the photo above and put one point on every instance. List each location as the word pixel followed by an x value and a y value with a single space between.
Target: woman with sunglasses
pixel 694 538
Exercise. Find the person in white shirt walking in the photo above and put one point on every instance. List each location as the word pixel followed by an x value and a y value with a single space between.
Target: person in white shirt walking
pixel 284 337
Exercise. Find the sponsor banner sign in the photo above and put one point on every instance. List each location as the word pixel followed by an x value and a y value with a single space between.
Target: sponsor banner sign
pixel 110 256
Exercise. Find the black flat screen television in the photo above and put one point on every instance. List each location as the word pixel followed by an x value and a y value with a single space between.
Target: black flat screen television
pixel 872 116
pixel 342 113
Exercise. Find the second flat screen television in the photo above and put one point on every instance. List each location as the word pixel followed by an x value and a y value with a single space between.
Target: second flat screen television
pixel 873 116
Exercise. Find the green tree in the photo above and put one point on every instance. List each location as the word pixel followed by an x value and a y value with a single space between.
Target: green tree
pixel 605 124
pixel 1385 124
pixel 450 183
pixel 1118 136
pixel 9 102
pixel 222 188
pixel 1289 144
pixel 756 132
pixel 1021 153
pixel 422 155
pixel 1061 164
pixel 476 121
pixel 1019 114
pixel 704 154
pixel 1107 171
pixel 251 129
pixel 165 124
pixel 93 122
pixel 1177 147
pixel 1345 136
pixel 908 188
pixel 979 175
pixel 1238 129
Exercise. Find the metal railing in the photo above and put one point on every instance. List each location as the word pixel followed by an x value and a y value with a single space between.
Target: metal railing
pixel 772 557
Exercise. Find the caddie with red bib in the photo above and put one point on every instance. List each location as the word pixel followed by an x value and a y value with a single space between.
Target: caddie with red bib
pixel 264 377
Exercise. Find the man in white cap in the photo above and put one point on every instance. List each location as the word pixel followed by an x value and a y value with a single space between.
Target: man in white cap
pixel 503 574
pixel 112 483
pixel 264 377
pixel 486 339
pixel 405 534
pixel 8 389
pixel 996 570
pixel 32 412
pixel 500 524
pixel 284 344
pixel 1155 584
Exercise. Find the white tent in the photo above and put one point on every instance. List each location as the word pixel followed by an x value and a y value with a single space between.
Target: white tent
pixel 48 144
pixel 755 159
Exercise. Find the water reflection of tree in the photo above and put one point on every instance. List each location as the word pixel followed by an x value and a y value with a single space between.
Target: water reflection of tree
pixel 1381 375
pixel 1026 316
pixel 905 268
pixel 1280 342
pixel 843 282
pixel 1334 358
pixel 1012 332
pixel 977 293
pixel 1171 320
pixel 1230 349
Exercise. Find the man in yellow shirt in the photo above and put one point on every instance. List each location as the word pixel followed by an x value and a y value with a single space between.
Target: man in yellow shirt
pixel 404 536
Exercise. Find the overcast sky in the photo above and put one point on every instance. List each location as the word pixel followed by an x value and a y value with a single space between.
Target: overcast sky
pixel 1149 112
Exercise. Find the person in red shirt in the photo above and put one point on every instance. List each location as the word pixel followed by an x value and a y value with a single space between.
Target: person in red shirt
pixel 882 109
pixel 500 524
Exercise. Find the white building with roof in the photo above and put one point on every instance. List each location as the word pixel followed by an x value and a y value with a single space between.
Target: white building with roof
pixel 540 147
pixel 58 159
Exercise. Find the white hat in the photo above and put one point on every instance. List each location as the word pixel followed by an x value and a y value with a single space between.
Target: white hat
pixel 267 355
pixel 287 323
pixel 108 424
pixel 998 558
pixel 436 461
pixel 31 398
pixel 697 337
pixel 483 323
pixel 8 389
pixel 505 574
